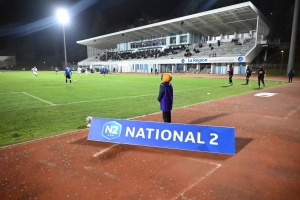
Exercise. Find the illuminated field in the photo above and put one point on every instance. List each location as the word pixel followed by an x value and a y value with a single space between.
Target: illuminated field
pixel 31 109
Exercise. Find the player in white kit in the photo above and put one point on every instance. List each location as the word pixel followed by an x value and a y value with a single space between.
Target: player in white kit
pixel 79 70
pixel 34 72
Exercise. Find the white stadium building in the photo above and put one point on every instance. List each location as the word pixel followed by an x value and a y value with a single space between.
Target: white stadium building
pixel 205 42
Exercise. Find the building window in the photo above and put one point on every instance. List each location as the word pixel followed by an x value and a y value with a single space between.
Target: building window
pixel 183 39
pixel 172 40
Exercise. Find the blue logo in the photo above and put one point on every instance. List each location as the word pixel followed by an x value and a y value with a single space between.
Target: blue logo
pixel 111 130
pixel 240 59
pixel 182 60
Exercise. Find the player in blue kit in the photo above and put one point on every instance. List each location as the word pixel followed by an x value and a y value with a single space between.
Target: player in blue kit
pixel 261 76
pixel 68 73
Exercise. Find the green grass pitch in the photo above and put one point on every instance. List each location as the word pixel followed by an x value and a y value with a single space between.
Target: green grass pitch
pixel 32 109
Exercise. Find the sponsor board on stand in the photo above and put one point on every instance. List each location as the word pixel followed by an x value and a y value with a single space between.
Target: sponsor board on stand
pixel 212 139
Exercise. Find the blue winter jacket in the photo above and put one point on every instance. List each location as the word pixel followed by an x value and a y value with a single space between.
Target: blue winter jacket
pixel 165 96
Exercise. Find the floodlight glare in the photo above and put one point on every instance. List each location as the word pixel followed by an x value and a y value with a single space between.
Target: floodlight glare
pixel 62 16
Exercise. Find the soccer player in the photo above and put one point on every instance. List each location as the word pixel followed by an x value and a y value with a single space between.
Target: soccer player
pixel 104 72
pixel 79 70
pixel 230 72
pixel 34 71
pixel 291 75
pixel 261 76
pixel 68 73
pixel 56 70
pixel 248 74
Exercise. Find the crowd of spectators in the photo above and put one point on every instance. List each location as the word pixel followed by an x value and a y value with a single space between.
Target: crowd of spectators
pixel 236 41
pixel 143 54
pixel 159 52
pixel 153 53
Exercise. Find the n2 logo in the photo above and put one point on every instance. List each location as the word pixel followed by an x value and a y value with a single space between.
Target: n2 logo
pixel 111 130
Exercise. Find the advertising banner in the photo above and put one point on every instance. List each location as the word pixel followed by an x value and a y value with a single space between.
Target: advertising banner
pixel 213 60
pixel 208 60
pixel 212 139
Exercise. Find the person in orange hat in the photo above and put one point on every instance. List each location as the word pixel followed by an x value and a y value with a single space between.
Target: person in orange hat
pixel 165 97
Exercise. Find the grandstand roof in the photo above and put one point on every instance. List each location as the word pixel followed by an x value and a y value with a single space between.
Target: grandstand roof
pixel 226 20
pixel 3 58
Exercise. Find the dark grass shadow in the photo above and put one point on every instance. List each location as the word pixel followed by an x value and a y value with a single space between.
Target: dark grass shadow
pixel 113 152
pixel 118 149
pixel 225 86
pixel 85 142
pixel 189 154
pixel 82 127
pixel 241 143
pixel 208 118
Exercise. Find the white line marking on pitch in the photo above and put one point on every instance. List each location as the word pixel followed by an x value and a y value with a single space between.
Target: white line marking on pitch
pixel 10 92
pixel 52 104
pixel 292 113
pixel 209 173
pixel 104 150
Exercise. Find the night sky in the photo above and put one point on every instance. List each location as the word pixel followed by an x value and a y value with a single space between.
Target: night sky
pixel 29 28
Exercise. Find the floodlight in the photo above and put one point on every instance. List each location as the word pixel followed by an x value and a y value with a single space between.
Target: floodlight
pixel 62 16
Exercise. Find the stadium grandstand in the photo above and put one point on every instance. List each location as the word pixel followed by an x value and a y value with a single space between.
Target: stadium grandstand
pixel 7 61
pixel 205 42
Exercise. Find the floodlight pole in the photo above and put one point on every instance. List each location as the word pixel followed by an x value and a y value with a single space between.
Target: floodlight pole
pixel 281 61
pixel 63 18
pixel 65 46
pixel 293 37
